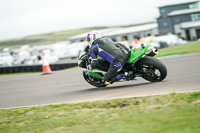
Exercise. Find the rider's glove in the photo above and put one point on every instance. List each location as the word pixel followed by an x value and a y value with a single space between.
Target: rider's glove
pixel 94 64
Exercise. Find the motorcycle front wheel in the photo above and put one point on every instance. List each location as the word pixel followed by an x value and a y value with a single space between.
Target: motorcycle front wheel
pixel 93 80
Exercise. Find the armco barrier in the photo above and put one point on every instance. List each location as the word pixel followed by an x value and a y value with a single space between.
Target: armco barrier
pixel 34 68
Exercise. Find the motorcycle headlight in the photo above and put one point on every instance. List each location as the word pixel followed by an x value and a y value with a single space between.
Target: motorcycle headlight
pixel 80 63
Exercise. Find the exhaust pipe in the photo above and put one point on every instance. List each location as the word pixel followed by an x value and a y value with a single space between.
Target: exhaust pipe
pixel 153 52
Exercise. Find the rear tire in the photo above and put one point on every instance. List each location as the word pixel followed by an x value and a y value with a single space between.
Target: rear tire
pixel 93 80
pixel 153 68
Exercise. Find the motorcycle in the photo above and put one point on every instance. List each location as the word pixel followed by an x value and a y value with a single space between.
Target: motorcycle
pixel 139 64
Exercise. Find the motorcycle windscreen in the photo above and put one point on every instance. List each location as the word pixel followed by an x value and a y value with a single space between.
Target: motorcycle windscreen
pixel 84 50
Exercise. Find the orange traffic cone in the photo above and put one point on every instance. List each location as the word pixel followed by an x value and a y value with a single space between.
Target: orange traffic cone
pixel 45 66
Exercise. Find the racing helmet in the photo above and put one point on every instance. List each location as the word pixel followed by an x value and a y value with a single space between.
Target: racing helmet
pixel 93 35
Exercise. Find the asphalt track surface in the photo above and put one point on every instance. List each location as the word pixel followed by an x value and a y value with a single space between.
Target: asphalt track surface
pixel 67 86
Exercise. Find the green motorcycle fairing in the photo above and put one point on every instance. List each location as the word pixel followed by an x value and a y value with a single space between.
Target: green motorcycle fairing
pixel 136 54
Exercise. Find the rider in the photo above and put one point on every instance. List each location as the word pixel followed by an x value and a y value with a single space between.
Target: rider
pixel 115 53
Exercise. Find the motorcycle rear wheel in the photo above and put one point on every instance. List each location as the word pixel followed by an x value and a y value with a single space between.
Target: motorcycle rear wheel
pixel 153 69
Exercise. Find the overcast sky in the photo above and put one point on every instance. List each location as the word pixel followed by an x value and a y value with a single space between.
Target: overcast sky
pixel 20 18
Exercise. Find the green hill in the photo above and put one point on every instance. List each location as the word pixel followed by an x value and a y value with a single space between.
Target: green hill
pixel 43 39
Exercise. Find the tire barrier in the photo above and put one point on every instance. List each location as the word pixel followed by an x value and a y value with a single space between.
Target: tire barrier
pixel 34 68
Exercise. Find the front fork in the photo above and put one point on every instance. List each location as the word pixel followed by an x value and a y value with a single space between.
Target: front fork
pixel 94 74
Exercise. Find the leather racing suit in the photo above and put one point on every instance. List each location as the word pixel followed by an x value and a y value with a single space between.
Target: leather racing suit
pixel 115 53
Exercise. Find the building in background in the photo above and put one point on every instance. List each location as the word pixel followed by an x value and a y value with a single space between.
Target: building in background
pixel 123 34
pixel 132 32
pixel 182 19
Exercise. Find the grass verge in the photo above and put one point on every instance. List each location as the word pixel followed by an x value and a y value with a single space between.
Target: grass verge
pixel 180 49
pixel 173 113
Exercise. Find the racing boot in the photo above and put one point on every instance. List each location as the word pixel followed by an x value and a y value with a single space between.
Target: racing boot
pixel 107 83
pixel 117 78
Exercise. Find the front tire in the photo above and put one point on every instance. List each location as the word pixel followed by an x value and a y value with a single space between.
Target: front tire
pixel 151 69
pixel 93 80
